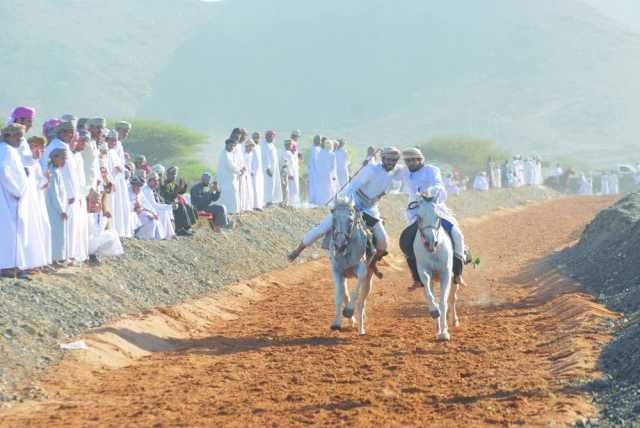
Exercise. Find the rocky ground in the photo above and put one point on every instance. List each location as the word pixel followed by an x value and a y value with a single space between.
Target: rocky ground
pixel 607 261
pixel 37 316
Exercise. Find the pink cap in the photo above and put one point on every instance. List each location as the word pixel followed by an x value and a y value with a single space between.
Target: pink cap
pixel 23 112
pixel 49 125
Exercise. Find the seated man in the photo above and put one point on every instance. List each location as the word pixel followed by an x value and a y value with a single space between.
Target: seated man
pixel 153 202
pixel 203 197
pixel 418 178
pixel 148 225
pixel 172 191
pixel 366 189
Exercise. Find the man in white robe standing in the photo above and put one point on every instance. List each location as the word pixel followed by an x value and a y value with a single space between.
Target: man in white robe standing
pixel 326 174
pixel 246 185
pixel 481 183
pixel 119 197
pixel 36 144
pixel 14 185
pixel 91 152
pixel 64 138
pixel 293 174
pixel 604 183
pixel 38 247
pixel 256 174
pixel 228 171
pixel 313 163
pixel 79 218
pixel 271 170
pixel 342 164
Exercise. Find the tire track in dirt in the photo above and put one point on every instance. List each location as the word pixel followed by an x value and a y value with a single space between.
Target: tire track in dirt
pixel 261 353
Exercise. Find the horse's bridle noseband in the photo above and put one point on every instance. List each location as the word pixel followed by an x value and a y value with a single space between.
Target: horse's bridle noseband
pixel 435 227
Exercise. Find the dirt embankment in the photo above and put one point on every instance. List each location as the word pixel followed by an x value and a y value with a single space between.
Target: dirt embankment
pixel 36 316
pixel 607 261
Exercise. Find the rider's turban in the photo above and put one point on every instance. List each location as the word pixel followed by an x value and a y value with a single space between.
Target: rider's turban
pixel 412 153
pixel 391 153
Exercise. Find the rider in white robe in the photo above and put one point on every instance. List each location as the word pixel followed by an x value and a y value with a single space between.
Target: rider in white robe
pixel 14 185
pixel 326 174
pixel 256 174
pixel 366 189
pixel 342 165
pixel 228 172
pixel 271 170
pixel 419 178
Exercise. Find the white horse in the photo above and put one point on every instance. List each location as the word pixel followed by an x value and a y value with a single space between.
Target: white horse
pixel 348 250
pixel 434 255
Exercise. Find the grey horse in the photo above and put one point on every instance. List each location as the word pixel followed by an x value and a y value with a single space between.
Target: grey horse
pixel 434 256
pixel 349 258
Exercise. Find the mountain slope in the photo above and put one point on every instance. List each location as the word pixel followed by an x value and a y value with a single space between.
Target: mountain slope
pixel 552 76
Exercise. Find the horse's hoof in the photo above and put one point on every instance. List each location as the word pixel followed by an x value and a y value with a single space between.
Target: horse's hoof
pixel 363 333
pixel 335 327
pixel 443 337
pixel 435 314
pixel 347 312
pixel 456 323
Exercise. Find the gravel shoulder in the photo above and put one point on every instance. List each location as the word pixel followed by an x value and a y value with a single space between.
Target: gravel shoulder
pixel 607 261
pixel 37 316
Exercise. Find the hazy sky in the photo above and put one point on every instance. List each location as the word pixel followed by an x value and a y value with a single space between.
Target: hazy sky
pixel 624 11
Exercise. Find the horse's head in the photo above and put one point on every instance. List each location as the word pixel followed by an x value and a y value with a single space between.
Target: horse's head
pixel 344 219
pixel 429 221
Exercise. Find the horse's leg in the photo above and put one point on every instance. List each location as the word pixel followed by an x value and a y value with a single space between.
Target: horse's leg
pixel 453 300
pixel 365 280
pixel 351 298
pixel 339 282
pixel 425 277
pixel 445 286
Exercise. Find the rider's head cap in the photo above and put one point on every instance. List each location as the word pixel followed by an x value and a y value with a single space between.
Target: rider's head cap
pixel 412 153
pixel 391 153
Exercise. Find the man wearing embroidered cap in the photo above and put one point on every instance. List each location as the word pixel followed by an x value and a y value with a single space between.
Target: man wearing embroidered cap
pixel 366 189
pixel 417 178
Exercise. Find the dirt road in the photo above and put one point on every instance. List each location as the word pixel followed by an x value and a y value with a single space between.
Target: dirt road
pixel 263 354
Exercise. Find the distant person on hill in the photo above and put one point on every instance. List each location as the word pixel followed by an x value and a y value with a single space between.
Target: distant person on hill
pixel 228 177
pixel 203 196
pixel 342 164
pixel 172 191
pixel 246 182
pixel 585 187
pixel 292 175
pixel 372 156
pixel 313 164
pixel 271 169
pixel 256 175
pixel 481 183
pixel 142 167
pixel 326 174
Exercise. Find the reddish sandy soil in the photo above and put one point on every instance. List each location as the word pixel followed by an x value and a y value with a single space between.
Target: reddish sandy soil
pixel 262 354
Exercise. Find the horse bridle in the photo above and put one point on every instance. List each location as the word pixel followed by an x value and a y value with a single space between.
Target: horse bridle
pixel 435 227
pixel 347 235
